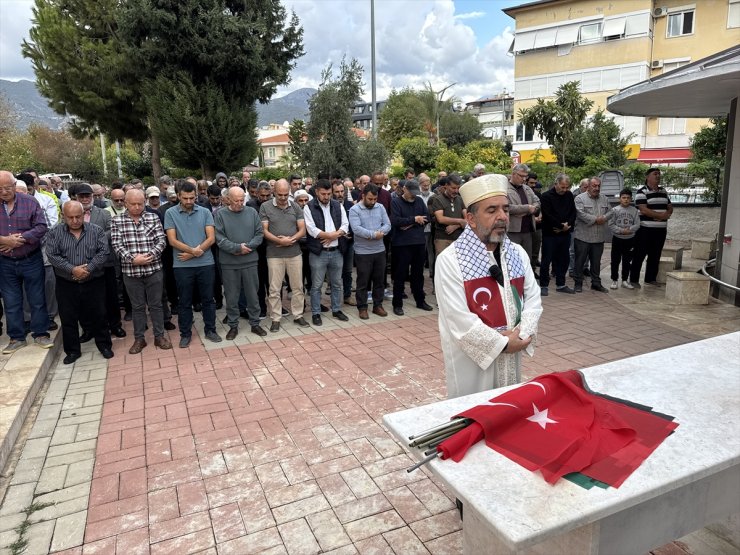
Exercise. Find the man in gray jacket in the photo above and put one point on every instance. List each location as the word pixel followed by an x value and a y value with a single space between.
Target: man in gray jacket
pixel 523 207
pixel 238 234
pixel 590 233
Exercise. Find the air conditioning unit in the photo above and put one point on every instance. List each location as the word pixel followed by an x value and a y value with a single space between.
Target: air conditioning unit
pixel 660 12
pixel 657 64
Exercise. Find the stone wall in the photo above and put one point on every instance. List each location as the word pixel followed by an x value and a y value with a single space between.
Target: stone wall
pixel 688 222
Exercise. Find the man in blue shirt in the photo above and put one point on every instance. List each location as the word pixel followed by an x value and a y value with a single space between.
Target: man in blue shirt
pixel 191 232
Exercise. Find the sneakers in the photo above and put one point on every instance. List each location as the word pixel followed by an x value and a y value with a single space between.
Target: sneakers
pixel 43 341
pixel 339 315
pixel 13 346
pixel 213 336
pixel 565 289
pixel 627 285
pixel 615 285
pixel 275 327
pixel 544 291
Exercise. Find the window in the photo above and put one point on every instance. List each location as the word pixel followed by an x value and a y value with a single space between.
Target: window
pixel 681 23
pixel 614 28
pixel 733 14
pixel 271 152
pixel 671 126
pixel 638 24
pixel 590 33
pixel 523 134
pixel 670 66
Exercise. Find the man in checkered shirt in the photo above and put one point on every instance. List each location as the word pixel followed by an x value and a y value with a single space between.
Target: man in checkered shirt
pixel 138 240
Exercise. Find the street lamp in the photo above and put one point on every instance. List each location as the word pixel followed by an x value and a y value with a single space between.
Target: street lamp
pixel 440 94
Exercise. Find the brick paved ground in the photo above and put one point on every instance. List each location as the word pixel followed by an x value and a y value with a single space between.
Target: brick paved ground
pixel 269 446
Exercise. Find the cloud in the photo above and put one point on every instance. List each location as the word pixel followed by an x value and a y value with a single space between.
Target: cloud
pixel 16 22
pixel 470 15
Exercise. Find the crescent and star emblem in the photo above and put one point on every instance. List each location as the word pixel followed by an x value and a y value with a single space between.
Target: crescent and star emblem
pixel 482 290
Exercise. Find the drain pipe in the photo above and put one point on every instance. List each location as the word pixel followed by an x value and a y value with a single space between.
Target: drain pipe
pixel 714 279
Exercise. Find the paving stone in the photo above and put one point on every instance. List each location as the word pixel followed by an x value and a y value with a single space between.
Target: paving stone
pixel 6 538
pixel 79 473
pixel 194 542
pixel 227 523
pixel 70 458
pixel 17 498
pixel 437 525
pixel 403 540
pixel 49 412
pixel 167 529
pixel 288 494
pixel 259 542
pixel 373 525
pixel 64 434
pixel 299 509
pixel 87 430
pixel 29 471
pixel 42 428
pixel 9 522
pixel 73 447
pixel 61 508
pixel 35 448
pixel 327 530
pixel 297 538
pixel 451 543
pixel 51 479
pixel 256 513
pixel 39 538
pixel 69 531
pixel 94 399
pixel 65 494
pixel 73 402
pixel 360 482
pixel 361 508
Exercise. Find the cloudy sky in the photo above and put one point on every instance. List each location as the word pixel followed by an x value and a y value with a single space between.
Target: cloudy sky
pixel 417 41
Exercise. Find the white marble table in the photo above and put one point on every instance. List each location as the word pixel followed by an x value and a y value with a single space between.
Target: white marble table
pixel 692 479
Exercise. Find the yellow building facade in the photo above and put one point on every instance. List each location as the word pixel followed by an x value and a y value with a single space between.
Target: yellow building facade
pixel 607 45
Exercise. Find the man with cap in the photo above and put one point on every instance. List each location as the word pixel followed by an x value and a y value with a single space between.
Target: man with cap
pixel 153 197
pixel 409 216
pixel 489 301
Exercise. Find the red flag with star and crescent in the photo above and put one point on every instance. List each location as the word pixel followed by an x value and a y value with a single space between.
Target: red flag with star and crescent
pixel 555 425
pixel 483 295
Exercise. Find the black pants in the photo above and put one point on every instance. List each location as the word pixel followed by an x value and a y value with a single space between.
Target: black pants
pixel 649 243
pixel 170 284
pixel 305 253
pixel 218 286
pixel 403 257
pixel 82 304
pixel 112 310
pixel 263 287
pixel 622 250
pixel 555 250
pixel 370 271
pixel 591 252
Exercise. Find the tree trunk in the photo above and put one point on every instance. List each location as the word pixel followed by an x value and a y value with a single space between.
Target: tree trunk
pixel 206 170
pixel 156 160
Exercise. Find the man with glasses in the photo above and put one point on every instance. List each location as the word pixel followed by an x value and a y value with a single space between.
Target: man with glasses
pixel 22 227
pixel 524 207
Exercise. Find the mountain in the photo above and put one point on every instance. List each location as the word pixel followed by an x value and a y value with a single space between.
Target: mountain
pixel 31 107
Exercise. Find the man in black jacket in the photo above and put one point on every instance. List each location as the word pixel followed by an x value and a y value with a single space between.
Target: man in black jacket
pixel 558 218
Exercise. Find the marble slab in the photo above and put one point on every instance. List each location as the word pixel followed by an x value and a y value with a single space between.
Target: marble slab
pixel 698 383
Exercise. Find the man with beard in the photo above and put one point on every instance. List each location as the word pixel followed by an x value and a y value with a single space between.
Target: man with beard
pixel 489 301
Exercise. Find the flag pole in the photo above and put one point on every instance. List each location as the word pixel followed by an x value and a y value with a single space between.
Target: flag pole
pixel 422 462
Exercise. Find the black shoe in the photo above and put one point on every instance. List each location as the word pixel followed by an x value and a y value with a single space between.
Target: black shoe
pixel 69 359
pixel 243 314
pixel 169 326
pixel 600 288
pixel 425 306
pixel 398 311
pixel 225 320
pixel 53 326
pixel 316 319
pixel 285 312
pixel 107 353
pixel 259 330
pixel 184 341
pixel 85 337
pixel 231 335
pixel 341 316
pixel 578 288
pixel 301 322
pixel 275 327
pixel 127 317
pixel 565 289
pixel 324 308
pixel 118 332
pixel 404 296
pixel 219 305
pixel 263 315
pixel 197 307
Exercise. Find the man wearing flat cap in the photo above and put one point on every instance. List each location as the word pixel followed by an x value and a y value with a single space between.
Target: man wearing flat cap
pixel 489 300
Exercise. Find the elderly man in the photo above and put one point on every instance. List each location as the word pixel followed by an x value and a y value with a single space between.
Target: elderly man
pixel 22 227
pixel 478 170
pixel 165 183
pixel 489 302
pixel 78 251
pixel 558 218
pixel 153 197
pixel 590 233
pixel 117 203
pixel 138 240
pixel 283 226
pixel 524 206
pixel 191 233
pixel 99 196
pixel 238 234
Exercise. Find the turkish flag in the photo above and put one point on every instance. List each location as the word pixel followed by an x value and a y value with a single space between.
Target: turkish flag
pixel 554 425
pixel 484 299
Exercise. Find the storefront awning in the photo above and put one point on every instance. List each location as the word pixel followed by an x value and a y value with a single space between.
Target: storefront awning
pixel 664 155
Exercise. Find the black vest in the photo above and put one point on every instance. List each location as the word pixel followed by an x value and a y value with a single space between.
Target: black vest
pixel 335 209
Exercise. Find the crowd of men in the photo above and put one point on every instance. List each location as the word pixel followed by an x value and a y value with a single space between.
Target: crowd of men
pixel 184 246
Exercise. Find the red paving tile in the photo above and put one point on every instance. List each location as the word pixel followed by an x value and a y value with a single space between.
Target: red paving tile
pixel 281 444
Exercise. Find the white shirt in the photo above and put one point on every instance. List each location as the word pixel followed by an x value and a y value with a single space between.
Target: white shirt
pixel 49 207
pixel 314 231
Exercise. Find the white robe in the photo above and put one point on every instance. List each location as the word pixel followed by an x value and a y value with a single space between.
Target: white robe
pixel 473 355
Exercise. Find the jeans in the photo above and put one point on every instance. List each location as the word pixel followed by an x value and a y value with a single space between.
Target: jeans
pixel 188 279
pixel 370 269
pixel 649 243
pixel 237 281
pixel 17 276
pixel 327 262
pixel 146 291
pixel 591 252
pixel 622 251
pixel 83 304
pixel 405 256
pixel 347 262
pixel 554 250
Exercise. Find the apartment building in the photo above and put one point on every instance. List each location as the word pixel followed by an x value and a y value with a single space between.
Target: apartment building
pixel 608 45
pixel 495 114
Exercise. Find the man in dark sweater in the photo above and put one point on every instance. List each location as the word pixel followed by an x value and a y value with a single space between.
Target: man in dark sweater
pixel 558 218
pixel 409 215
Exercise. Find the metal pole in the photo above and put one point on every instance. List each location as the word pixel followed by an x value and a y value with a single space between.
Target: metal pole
pixel 372 69
pixel 118 159
pixel 102 151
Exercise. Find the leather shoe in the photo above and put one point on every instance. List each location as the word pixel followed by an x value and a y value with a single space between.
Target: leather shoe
pixel 316 319
pixel 324 308
pixel 379 311
pixel 398 311
pixel 52 326
pixel 184 341
pixel 600 288
pixel 85 337
pixel 232 333
pixel 107 353
pixel 363 314
pixel 69 359
pixel 118 332
pixel 425 306
pixel 162 342
pixel 578 288
pixel 137 347
pixel 275 327
pixel 341 316
pixel 169 326
pixel 350 301
pixel 259 330
pixel 301 322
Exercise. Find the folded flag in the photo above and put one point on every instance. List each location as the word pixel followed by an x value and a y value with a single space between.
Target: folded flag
pixel 554 424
